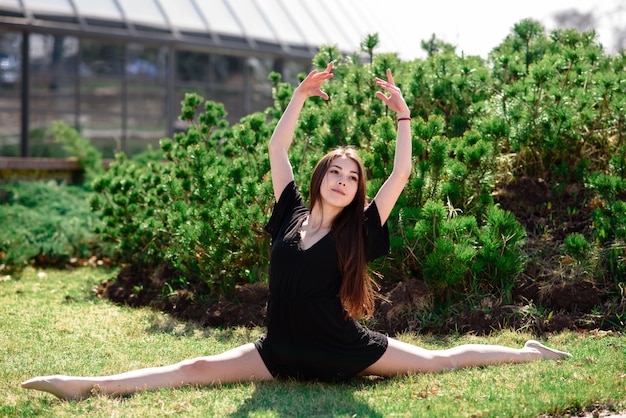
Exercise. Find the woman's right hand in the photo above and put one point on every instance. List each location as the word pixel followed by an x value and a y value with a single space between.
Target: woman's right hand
pixel 395 101
pixel 312 84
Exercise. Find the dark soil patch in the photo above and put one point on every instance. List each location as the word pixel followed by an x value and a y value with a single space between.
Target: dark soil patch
pixel 404 306
pixel 546 298
pixel 141 287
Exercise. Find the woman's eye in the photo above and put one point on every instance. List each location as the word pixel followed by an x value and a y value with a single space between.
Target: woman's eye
pixel 353 178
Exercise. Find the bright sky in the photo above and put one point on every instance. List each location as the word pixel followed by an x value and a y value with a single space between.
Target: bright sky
pixel 475 27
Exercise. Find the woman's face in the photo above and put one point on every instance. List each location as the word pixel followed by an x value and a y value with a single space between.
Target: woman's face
pixel 340 182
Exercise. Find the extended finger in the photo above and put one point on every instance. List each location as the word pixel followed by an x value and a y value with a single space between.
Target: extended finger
pixel 390 77
pixel 391 88
pixel 324 75
pixel 382 82
pixel 382 96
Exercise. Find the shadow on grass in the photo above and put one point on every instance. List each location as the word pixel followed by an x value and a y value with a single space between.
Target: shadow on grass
pixel 309 399
pixel 166 324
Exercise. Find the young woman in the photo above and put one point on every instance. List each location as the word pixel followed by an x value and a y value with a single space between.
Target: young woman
pixel 319 285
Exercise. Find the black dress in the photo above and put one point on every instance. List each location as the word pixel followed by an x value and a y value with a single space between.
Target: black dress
pixel 308 335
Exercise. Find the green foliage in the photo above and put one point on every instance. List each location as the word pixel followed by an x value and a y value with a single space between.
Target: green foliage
pixel 450 86
pixel 456 257
pixel 203 209
pixel 561 98
pixel 609 223
pixel 500 257
pixel 434 46
pixel 78 147
pixel 46 222
pixel 368 45
pixel 577 246
pixel 554 104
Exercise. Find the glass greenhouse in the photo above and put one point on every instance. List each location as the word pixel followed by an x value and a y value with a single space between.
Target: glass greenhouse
pixel 117 70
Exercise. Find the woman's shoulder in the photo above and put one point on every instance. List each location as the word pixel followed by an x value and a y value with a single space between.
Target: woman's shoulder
pixel 290 196
pixel 290 205
pixel 289 190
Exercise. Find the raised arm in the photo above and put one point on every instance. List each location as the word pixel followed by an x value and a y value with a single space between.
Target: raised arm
pixel 282 173
pixel 390 190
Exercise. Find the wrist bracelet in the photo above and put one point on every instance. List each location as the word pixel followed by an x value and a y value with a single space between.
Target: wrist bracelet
pixel 399 119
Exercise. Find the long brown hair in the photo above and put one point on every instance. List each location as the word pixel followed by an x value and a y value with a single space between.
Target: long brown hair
pixel 357 286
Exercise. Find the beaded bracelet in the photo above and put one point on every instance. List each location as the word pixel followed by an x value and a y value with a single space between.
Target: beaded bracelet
pixel 403 119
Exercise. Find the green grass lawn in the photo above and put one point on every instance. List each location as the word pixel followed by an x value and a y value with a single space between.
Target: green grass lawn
pixel 54 323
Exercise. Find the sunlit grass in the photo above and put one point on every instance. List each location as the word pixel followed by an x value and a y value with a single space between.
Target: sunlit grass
pixel 56 324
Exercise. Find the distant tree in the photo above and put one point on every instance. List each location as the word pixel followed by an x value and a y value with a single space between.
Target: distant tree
pixel 435 46
pixel 368 45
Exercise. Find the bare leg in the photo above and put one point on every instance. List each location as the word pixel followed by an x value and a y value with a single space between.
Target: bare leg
pixel 237 365
pixel 402 358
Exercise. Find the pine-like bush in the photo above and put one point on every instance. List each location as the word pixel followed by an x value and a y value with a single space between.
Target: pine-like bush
pixel 203 209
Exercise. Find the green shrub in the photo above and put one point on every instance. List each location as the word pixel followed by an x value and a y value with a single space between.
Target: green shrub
pixel 78 147
pixel 562 99
pixel 46 222
pixel 577 247
pixel 552 102
pixel 500 258
pixel 609 223
pixel 203 209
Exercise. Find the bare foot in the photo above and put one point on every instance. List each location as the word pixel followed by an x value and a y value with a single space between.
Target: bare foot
pixel 546 352
pixel 63 387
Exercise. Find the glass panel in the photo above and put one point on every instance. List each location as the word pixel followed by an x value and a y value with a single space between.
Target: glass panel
pixel 228 85
pixel 191 75
pixel 281 22
pixel 143 11
pixel 182 14
pixel 101 93
pixel 146 101
pixel 220 18
pixel 260 85
pixel 54 63
pixel 105 9
pixel 254 24
pixel 224 79
pixel 312 32
pixel 58 6
pixel 291 69
pixel 192 67
pixel 220 78
pixel 10 93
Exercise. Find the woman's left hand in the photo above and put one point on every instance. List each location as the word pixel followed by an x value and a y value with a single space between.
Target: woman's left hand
pixel 395 101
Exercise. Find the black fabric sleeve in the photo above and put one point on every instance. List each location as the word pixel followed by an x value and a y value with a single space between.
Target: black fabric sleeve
pixel 289 199
pixel 376 235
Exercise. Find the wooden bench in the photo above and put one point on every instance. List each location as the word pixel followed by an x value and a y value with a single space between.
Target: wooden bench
pixel 19 168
